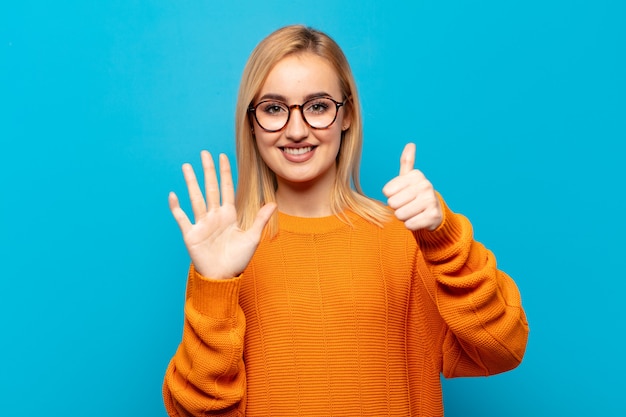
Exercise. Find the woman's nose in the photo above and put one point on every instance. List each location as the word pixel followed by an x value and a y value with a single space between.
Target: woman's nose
pixel 297 129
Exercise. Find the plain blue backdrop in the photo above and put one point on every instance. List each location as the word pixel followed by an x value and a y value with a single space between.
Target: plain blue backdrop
pixel 518 110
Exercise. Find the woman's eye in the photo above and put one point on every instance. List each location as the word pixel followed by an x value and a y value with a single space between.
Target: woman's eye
pixel 317 107
pixel 273 108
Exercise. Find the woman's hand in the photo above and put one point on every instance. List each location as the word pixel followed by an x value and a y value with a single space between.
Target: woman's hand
pixel 217 246
pixel 412 196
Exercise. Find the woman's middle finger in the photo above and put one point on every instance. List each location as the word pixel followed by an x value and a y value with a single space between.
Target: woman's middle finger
pixel 210 181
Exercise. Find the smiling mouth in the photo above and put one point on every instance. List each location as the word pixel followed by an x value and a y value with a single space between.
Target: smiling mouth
pixel 297 151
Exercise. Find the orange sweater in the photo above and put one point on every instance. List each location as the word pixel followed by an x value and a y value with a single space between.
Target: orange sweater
pixel 330 319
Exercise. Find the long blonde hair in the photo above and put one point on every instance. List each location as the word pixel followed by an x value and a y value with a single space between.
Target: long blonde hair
pixel 256 183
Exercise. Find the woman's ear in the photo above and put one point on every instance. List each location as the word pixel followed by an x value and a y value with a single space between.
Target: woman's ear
pixel 251 124
pixel 347 118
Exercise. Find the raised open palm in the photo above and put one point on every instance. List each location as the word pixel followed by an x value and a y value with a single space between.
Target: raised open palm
pixel 217 246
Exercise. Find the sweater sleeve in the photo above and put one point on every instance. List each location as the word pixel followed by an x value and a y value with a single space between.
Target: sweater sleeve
pixel 207 374
pixel 481 306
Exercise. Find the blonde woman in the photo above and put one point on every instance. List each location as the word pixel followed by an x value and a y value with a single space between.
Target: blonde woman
pixel 305 297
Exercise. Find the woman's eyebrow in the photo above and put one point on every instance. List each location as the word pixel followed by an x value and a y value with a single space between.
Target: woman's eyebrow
pixel 278 97
pixel 270 96
pixel 317 95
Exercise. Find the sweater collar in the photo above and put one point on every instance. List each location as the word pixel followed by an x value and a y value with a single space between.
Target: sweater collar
pixel 315 225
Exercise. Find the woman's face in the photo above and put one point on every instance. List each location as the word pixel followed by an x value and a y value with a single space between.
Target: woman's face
pixel 299 154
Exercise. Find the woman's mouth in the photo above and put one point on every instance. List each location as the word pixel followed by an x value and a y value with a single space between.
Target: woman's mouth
pixel 297 151
pixel 298 154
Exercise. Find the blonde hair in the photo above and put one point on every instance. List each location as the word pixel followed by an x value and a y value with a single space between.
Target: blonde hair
pixel 256 182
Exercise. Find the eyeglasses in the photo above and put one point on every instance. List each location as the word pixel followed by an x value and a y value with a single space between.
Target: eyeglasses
pixel 318 113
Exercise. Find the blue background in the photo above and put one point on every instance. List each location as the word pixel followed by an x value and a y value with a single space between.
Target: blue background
pixel 518 110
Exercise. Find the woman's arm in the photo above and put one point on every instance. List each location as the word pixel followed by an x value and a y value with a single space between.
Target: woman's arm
pixel 481 305
pixel 207 373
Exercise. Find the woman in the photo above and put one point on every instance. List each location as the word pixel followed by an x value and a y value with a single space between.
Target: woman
pixel 305 298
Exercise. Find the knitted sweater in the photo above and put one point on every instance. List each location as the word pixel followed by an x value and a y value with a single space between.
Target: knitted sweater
pixel 337 319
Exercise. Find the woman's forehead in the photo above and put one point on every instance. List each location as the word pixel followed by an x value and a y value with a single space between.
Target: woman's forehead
pixel 297 77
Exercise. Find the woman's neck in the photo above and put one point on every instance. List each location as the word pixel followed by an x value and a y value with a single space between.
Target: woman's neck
pixel 304 199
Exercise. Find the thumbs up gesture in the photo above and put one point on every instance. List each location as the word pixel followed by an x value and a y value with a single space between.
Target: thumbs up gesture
pixel 412 196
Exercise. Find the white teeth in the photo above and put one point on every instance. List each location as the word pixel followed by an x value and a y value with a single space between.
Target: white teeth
pixel 298 151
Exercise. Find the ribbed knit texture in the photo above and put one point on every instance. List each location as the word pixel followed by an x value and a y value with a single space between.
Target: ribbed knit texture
pixel 336 319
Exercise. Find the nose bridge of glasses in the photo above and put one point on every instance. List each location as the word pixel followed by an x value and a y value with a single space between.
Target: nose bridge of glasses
pixel 299 107
pixel 297 124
